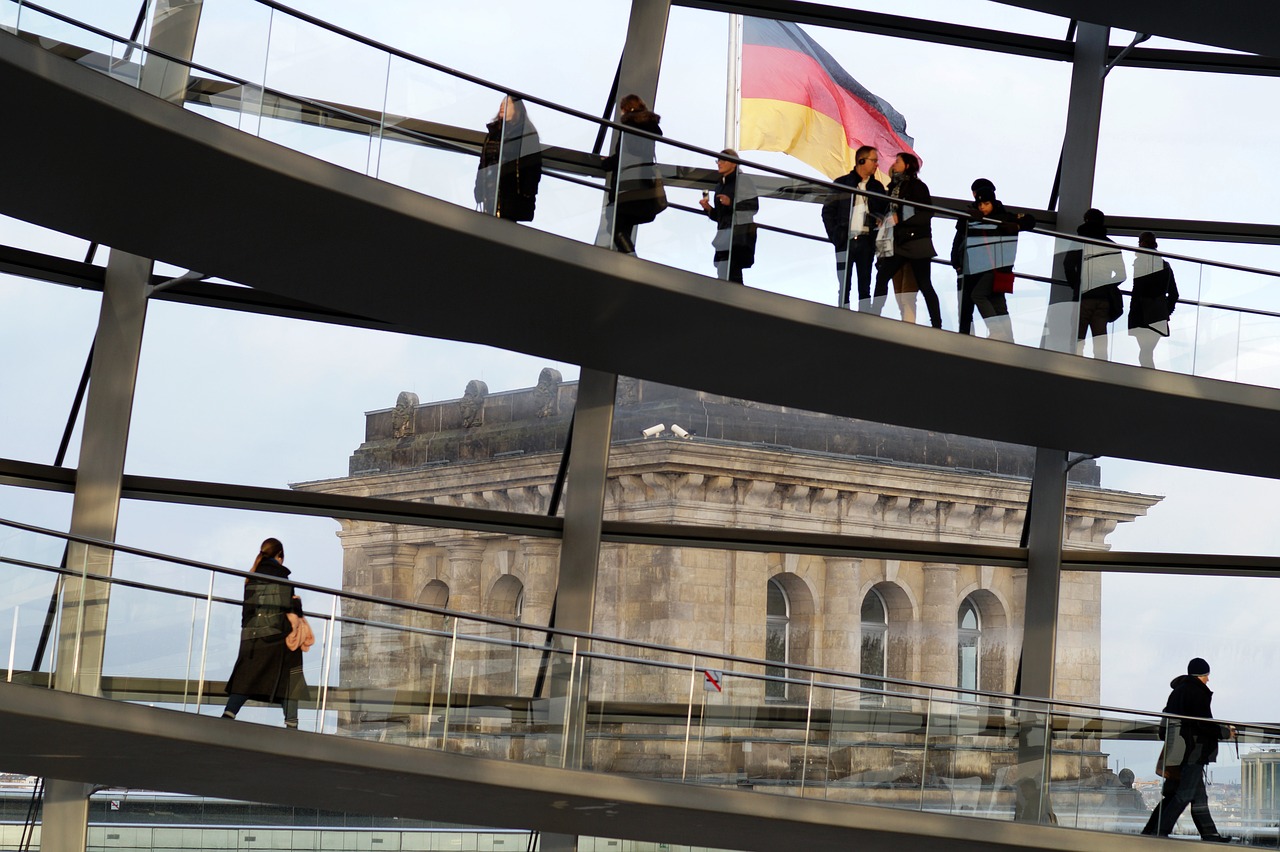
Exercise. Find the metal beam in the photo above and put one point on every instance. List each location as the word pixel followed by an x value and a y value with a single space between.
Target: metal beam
pixel 98 741
pixel 248 185
pixel 1076 175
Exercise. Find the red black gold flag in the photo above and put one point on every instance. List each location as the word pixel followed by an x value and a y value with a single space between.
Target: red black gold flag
pixel 797 99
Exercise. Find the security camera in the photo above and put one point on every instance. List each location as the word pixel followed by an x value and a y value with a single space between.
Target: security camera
pixel 654 431
pixel 680 432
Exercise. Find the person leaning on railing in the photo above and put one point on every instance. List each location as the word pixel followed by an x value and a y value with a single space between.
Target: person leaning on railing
pixel 734 211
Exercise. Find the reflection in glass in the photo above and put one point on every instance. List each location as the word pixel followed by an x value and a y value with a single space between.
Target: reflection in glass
pixel 776 641
pixel 969 635
pixel 875 627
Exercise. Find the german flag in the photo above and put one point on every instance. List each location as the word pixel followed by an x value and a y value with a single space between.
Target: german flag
pixel 798 100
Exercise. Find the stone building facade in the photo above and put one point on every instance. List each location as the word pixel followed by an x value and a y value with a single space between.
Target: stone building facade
pixel 743 466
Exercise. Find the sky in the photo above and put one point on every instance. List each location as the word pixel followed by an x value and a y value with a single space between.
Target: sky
pixel 264 401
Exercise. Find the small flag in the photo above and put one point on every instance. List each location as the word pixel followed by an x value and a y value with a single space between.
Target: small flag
pixel 798 100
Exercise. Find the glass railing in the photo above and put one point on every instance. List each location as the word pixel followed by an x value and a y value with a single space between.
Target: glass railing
pixel 337 96
pixel 167 632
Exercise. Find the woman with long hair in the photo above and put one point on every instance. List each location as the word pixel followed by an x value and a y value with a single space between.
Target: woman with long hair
pixel 510 164
pixel 632 174
pixel 912 236
pixel 273 635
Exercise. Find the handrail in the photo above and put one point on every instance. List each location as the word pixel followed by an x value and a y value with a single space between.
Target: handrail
pixel 603 122
pixel 1022 703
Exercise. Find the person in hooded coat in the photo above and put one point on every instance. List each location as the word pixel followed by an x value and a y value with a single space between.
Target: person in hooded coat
pixel 1155 295
pixel 1190 744
pixel 632 174
pixel 510 164
pixel 267 668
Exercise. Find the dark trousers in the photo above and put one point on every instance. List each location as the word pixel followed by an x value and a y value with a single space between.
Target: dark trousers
pixel 979 291
pixel 857 253
pixel 289 705
pixel 922 269
pixel 1177 794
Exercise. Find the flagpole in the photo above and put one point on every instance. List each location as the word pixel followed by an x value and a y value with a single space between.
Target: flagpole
pixel 733 89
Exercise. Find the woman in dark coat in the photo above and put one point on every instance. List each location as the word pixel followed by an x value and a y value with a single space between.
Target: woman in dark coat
pixel 1155 295
pixel 912 236
pixel 510 164
pixel 734 212
pixel 635 188
pixel 270 622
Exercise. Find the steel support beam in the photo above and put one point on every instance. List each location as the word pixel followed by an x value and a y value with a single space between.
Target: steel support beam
pixel 642 51
pixel 1079 157
pixel 580 553
pixel 96 506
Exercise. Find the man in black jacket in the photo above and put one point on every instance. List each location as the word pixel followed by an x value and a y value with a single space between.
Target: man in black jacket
pixel 1190 744
pixel 851 219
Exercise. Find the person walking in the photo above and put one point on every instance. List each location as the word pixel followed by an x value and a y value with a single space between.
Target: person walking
pixel 1155 295
pixel 912 236
pixel 850 220
pixel 632 174
pixel 510 164
pixel 1095 273
pixel 273 635
pixel 1190 745
pixel 734 211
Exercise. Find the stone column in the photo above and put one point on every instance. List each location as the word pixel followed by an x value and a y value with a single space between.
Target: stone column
pixel 841 646
pixel 391 651
pixel 938 625
pixel 541 561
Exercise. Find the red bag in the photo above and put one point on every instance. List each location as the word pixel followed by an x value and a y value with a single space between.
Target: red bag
pixel 1003 282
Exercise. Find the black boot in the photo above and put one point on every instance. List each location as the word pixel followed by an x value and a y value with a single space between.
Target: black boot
pixel 623 243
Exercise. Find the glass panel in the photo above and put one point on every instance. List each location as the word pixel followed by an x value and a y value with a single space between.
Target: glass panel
pixel 760 466
pixel 393 418
pixel 435 125
pixel 20 234
pixel 301 59
pixel 45 336
pixel 1183 510
pixel 1135 93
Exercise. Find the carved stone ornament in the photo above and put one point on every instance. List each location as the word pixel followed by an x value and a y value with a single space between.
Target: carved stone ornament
pixel 402 425
pixel 472 404
pixel 628 390
pixel 547 393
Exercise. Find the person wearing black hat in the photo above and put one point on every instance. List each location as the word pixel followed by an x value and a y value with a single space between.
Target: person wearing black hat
pixel 982 255
pixel 1190 744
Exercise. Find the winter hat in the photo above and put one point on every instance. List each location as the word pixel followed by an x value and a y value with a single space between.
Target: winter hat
pixel 983 185
pixel 984 195
pixel 1197 667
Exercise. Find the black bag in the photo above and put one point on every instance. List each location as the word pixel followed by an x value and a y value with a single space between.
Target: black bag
pixel 642 200
pixel 920 248
pixel 1115 303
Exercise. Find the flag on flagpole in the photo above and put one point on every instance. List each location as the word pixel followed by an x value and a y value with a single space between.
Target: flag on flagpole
pixel 798 100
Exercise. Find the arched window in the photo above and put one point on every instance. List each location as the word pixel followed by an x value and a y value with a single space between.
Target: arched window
pixel 969 646
pixel 777 639
pixel 875 630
